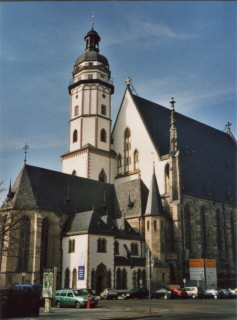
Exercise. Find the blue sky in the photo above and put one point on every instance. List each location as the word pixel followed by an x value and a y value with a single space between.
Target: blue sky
pixel 169 48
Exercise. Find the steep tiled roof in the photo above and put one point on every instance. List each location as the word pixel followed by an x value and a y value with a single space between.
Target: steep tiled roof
pixel 204 152
pixel 60 192
pixel 86 222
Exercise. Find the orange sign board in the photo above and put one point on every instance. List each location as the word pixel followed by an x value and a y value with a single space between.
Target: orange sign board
pixel 196 263
pixel 210 263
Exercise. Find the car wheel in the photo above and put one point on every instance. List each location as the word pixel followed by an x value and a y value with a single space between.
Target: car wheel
pixel 165 297
pixel 58 304
pixel 77 305
pixel 193 296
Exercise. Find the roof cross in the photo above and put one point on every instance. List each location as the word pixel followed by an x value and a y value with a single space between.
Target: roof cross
pixel 228 125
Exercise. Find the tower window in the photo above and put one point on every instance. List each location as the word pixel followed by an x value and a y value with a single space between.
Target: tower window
pixel 75 136
pixel 76 111
pixel 103 95
pixel 90 63
pixel 103 109
pixel 90 76
pixel 102 176
pixel 103 135
pixel 76 96
pixel 119 161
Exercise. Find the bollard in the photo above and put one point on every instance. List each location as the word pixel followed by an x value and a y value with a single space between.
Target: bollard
pixel 88 301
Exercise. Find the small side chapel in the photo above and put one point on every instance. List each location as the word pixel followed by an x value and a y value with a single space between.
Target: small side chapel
pixel 156 181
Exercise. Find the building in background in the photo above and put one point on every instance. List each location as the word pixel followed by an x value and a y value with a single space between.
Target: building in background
pixel 158 181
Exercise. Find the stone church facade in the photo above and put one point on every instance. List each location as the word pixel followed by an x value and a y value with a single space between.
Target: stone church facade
pixel 157 181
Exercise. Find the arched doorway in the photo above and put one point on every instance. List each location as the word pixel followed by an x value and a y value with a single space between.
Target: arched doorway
pixel 101 278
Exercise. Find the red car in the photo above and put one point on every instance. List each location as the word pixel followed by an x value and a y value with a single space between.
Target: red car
pixel 180 294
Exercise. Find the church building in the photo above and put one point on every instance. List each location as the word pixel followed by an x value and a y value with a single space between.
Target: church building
pixel 157 181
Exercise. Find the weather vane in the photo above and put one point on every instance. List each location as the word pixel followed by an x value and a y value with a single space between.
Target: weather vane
pixel 92 22
pixel 25 148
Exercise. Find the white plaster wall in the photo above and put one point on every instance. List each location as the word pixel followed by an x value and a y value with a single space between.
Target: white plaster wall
pixel 71 260
pixel 97 163
pixel 140 140
pixel 96 258
pixel 88 131
pixel 77 163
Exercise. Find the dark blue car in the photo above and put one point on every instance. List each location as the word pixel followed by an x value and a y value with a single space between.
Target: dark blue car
pixel 226 294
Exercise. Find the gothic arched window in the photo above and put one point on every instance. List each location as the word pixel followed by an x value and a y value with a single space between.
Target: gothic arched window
pixel 127 148
pixel 75 136
pixel 167 177
pixel 102 176
pixel 203 232
pixel 67 278
pixel 124 279
pixel 135 159
pixel 103 135
pixel 24 244
pixel 74 278
pixel 187 227
pixel 44 244
pixel 118 279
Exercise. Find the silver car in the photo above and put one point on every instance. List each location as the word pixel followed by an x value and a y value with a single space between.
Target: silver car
pixel 109 293
pixel 194 292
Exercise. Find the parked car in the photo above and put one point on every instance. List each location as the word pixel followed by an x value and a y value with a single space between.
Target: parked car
pixel 180 294
pixel 36 289
pixel 74 298
pixel 165 294
pixel 234 291
pixel 211 294
pixel 109 293
pixel 194 292
pixel 226 294
pixel 138 293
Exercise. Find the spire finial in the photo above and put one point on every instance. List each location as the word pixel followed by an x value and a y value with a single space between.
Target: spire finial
pixel 92 21
pixel 25 148
pixel 172 103
pixel 128 80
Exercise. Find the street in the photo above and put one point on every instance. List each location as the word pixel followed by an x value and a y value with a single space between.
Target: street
pixel 139 309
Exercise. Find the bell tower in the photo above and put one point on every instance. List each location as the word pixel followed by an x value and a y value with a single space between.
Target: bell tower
pixel 91 88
